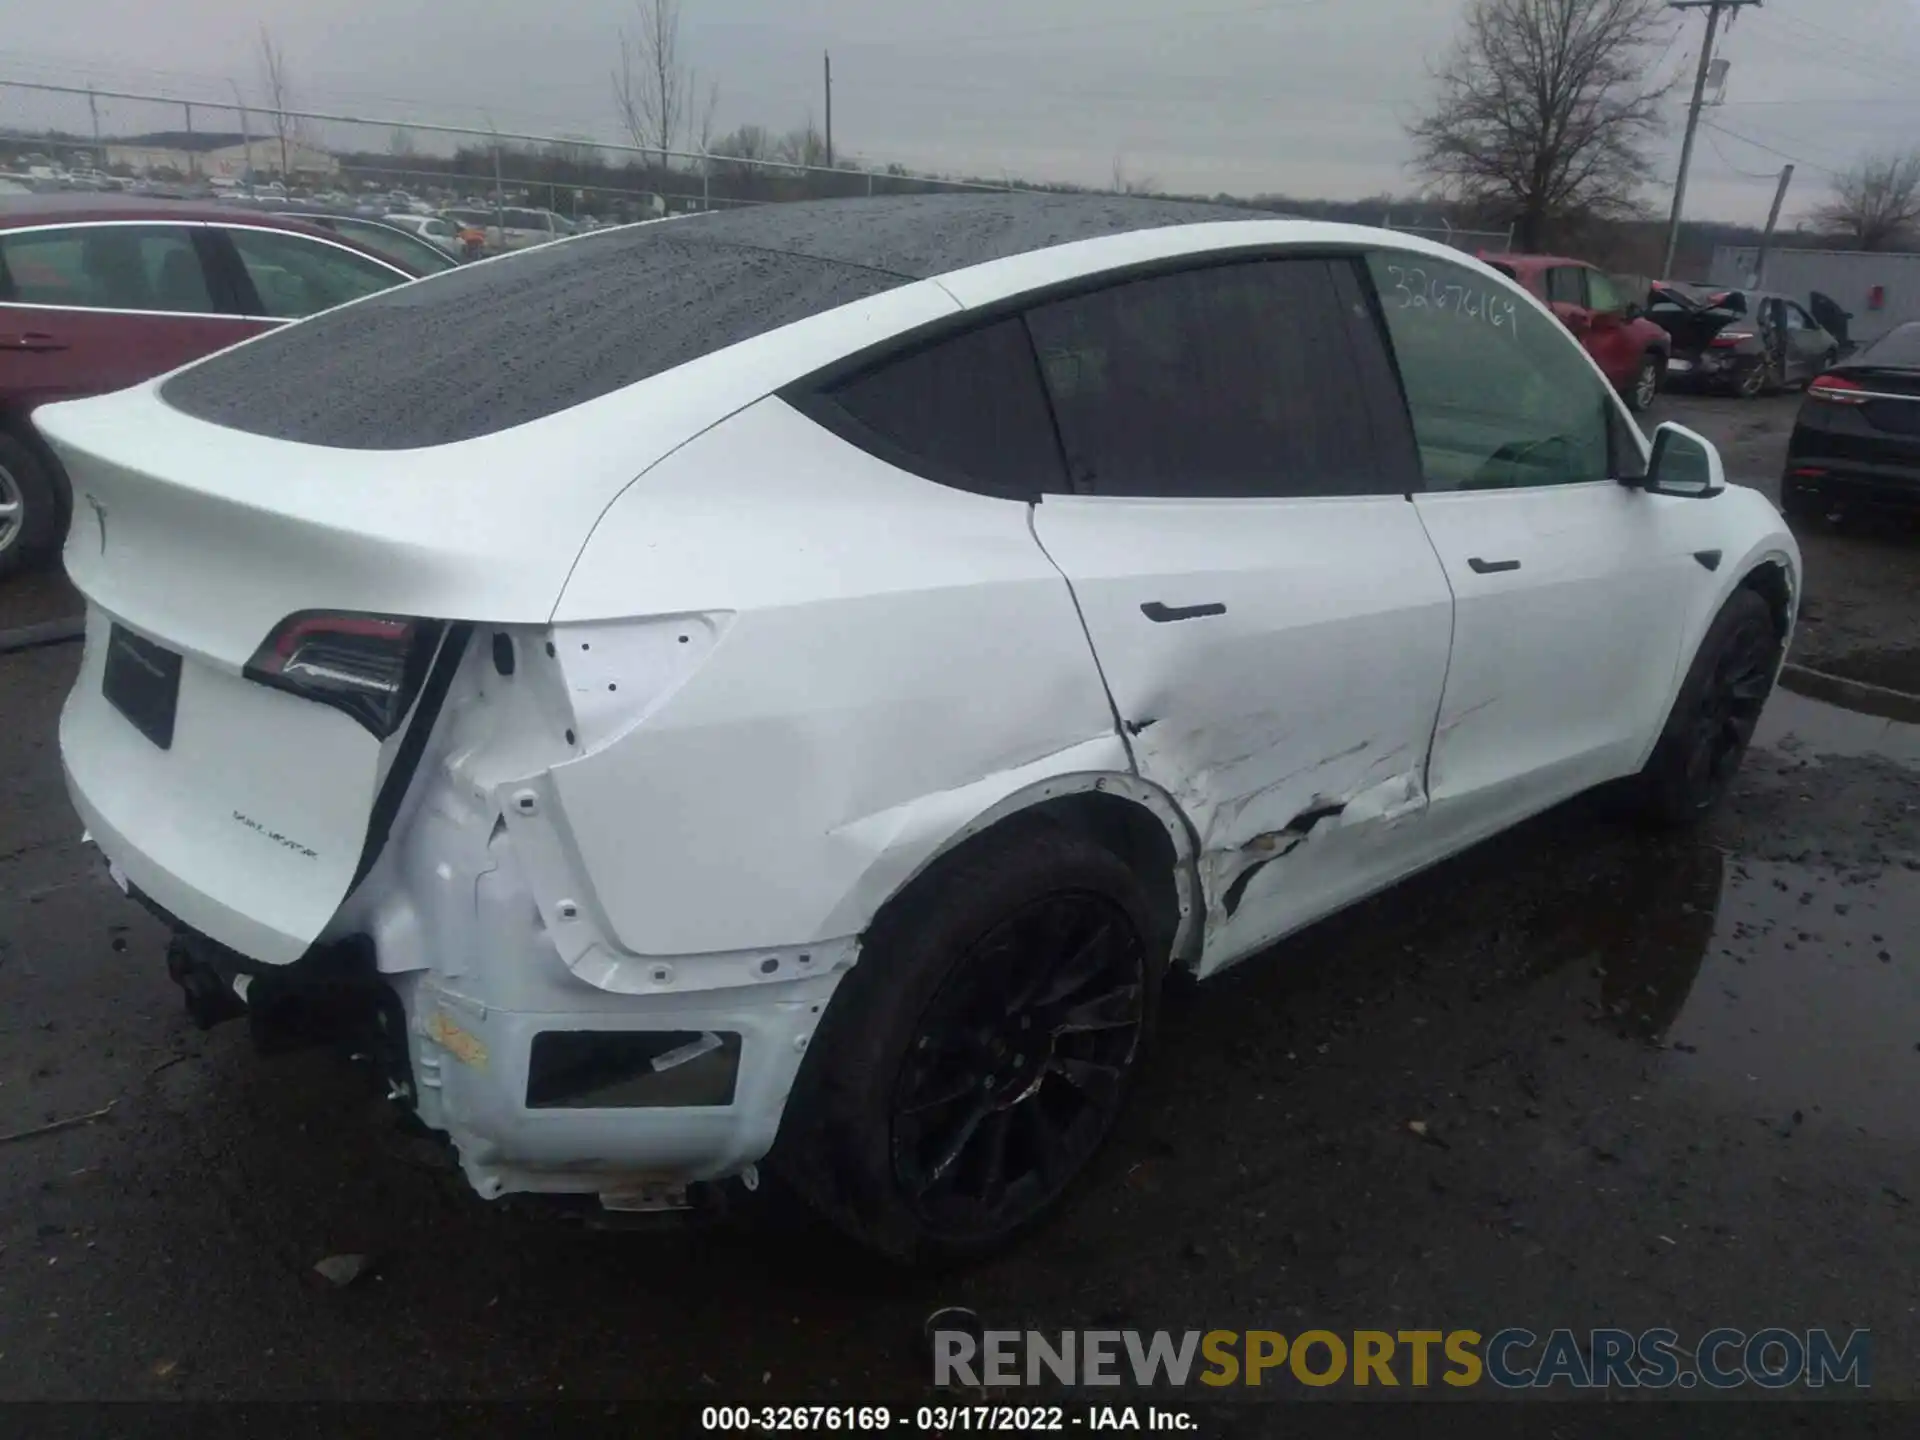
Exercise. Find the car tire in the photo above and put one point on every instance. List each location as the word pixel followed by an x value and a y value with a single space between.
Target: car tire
pixel 32 518
pixel 1646 383
pixel 1713 718
pixel 943 1109
pixel 1754 382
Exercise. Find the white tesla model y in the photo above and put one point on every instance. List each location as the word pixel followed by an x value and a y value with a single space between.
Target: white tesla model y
pixel 779 690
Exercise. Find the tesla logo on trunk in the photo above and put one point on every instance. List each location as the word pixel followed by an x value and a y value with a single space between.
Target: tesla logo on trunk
pixel 100 513
pixel 275 836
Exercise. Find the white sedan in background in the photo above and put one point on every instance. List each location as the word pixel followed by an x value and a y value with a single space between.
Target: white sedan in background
pixel 783 690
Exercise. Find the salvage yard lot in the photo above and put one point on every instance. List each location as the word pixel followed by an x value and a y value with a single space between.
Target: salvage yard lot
pixel 1656 1083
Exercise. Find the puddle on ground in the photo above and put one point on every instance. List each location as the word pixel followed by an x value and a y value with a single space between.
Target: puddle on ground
pixel 1807 998
pixel 1806 729
pixel 1776 985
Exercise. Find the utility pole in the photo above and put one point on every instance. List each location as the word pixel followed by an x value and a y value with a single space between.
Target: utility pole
pixel 829 73
pixel 1773 221
pixel 1713 9
pixel 193 164
pixel 93 105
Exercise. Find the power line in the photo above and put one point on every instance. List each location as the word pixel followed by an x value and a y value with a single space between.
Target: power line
pixel 1771 150
pixel 1714 145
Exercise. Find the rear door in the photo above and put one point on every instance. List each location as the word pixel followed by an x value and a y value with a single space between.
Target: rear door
pixel 1270 619
pixel 90 308
pixel 1610 339
pixel 1565 581
pixel 1567 297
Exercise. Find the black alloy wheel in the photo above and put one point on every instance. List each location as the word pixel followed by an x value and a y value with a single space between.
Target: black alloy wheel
pixel 1018 1065
pixel 1713 719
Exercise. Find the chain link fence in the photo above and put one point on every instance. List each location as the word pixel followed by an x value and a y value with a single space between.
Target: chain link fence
pixel 160 144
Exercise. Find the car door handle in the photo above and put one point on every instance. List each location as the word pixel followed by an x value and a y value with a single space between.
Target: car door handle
pixel 32 340
pixel 1161 614
pixel 1491 567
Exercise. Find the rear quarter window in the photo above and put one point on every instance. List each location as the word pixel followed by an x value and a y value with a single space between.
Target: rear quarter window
pixel 1896 347
pixel 966 411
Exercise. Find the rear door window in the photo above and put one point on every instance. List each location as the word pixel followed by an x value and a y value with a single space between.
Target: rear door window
pixel 967 411
pixel 1567 285
pixel 1897 347
pixel 295 276
pixel 1260 378
pixel 106 267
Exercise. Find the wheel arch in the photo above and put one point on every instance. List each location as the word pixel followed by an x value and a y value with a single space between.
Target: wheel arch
pixel 1137 821
pixel 1770 568
pixel 16 422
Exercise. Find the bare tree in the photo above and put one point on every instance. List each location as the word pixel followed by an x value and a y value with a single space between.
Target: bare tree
pixel 1545 108
pixel 707 117
pixel 803 145
pixel 1876 204
pixel 653 87
pixel 279 88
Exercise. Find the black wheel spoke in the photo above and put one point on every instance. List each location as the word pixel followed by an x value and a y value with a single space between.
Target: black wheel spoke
pixel 1099 1083
pixel 949 1092
pixel 995 1132
pixel 1109 1011
pixel 956 1144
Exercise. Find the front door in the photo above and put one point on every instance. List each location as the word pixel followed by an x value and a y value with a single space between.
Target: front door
pixel 1269 616
pixel 1565 581
pixel 89 308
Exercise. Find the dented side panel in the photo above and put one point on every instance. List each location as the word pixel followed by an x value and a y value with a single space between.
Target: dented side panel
pixel 1290 723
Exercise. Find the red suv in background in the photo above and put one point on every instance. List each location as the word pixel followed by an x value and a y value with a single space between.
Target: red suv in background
pixel 1632 350
pixel 98 292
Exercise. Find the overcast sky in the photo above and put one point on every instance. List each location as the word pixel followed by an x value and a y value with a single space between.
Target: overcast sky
pixel 1306 97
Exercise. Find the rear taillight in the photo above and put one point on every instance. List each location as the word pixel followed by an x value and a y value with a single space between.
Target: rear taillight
pixel 1727 339
pixel 1837 390
pixel 370 666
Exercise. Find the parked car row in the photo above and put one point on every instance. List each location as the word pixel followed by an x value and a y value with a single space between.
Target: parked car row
pixel 1041 594
pixel 98 292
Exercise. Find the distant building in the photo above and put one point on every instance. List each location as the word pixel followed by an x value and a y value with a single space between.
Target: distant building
pixel 216 153
pixel 1879 289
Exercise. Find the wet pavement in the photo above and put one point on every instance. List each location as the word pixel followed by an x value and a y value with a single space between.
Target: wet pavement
pixel 1662 1082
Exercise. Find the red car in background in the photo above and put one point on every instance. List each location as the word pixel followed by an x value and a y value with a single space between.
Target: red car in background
pixel 1630 349
pixel 98 292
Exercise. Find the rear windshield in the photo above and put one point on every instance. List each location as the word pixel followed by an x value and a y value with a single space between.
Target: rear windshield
pixel 1896 347
pixel 483 348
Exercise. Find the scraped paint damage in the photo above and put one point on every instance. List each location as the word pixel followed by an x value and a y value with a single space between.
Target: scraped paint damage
pixel 1336 792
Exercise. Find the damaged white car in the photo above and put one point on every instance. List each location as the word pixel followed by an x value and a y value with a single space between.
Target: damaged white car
pixel 780 690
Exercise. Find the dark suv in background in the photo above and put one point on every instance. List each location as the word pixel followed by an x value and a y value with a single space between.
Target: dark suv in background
pixel 1857 442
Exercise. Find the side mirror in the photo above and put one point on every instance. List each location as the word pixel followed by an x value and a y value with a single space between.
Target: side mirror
pixel 1684 465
